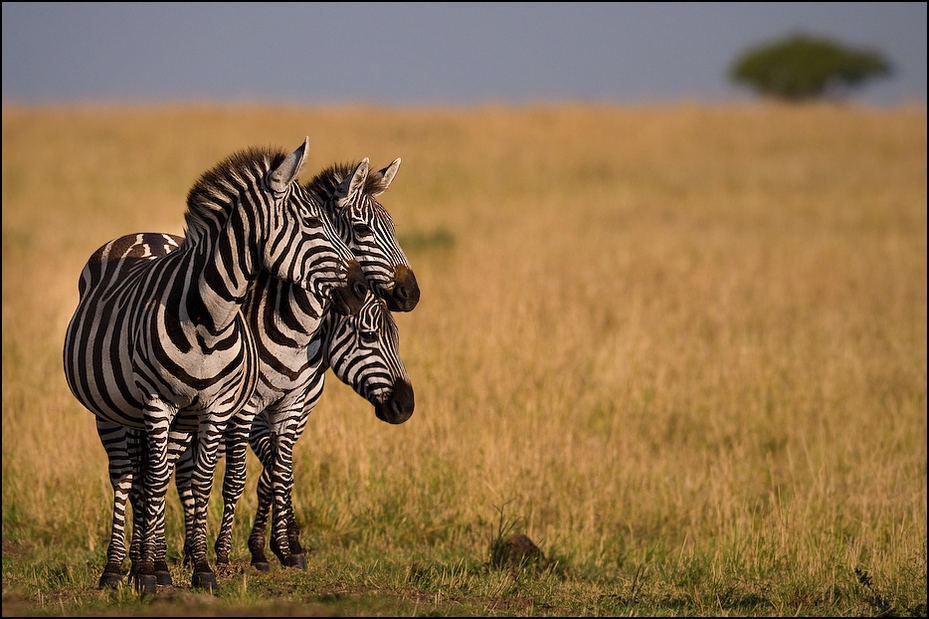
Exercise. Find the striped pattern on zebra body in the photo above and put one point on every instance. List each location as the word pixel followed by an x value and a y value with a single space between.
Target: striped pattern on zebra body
pixel 158 340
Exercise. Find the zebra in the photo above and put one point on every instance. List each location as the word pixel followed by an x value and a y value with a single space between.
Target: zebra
pixel 290 355
pixel 157 341
pixel 348 193
pixel 368 229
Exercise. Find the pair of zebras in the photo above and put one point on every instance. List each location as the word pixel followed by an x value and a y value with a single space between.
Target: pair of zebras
pixel 184 346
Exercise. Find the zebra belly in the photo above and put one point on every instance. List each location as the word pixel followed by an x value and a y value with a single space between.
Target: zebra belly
pixel 112 372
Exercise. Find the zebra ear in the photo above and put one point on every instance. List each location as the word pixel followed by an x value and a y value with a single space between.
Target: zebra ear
pixel 284 175
pixel 352 186
pixel 385 177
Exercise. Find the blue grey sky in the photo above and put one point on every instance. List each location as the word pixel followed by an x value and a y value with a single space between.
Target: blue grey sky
pixel 411 54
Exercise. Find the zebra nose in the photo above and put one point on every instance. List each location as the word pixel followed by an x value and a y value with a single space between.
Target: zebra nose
pixel 399 406
pixel 358 285
pixel 348 299
pixel 360 289
pixel 406 291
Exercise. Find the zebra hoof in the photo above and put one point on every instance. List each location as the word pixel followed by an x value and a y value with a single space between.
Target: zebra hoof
pixel 204 580
pixel 261 566
pixel 162 575
pixel 110 580
pixel 145 583
pixel 294 562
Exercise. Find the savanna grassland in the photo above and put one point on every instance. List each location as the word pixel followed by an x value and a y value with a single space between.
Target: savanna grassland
pixel 682 348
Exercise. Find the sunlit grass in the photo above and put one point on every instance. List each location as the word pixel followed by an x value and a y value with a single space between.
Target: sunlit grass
pixel 683 349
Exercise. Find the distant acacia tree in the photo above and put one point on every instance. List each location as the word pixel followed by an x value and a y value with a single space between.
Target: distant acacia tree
pixel 804 67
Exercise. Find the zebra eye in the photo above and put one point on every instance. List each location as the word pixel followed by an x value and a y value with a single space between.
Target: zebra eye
pixel 312 221
pixel 362 229
pixel 369 337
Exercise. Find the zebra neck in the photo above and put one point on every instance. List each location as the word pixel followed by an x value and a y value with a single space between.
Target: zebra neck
pixel 222 274
pixel 309 308
pixel 326 333
pixel 283 311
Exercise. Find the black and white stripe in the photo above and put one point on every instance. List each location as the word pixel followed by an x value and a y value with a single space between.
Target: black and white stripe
pixel 158 340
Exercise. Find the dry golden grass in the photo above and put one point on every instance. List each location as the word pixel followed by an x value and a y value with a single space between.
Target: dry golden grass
pixel 683 339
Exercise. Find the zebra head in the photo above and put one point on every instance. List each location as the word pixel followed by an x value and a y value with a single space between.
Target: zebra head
pixel 349 192
pixel 301 245
pixel 364 352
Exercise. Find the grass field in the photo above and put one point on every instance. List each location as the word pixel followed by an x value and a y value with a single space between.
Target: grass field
pixel 681 348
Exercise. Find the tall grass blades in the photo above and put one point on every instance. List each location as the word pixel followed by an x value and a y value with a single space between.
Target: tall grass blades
pixel 684 346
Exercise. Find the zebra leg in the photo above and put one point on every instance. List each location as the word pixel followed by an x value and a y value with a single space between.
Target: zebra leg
pixel 282 483
pixel 256 541
pixel 233 481
pixel 260 442
pixel 265 447
pixel 139 457
pixel 293 528
pixel 115 442
pixel 139 454
pixel 208 439
pixel 183 479
pixel 157 421
pixel 177 442
pixel 162 573
pixel 140 465
pixel 293 538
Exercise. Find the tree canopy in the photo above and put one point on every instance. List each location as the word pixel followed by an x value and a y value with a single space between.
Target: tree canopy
pixel 805 67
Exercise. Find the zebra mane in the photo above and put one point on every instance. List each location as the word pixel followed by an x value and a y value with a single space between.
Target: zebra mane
pixel 212 198
pixel 327 181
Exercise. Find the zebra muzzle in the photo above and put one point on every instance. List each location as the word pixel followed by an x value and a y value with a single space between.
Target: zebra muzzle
pixel 405 293
pixel 348 297
pixel 398 407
